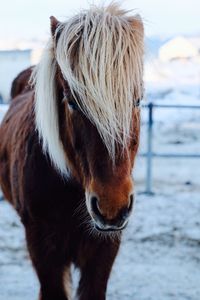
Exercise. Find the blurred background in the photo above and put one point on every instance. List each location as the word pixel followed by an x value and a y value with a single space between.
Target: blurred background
pixel 160 254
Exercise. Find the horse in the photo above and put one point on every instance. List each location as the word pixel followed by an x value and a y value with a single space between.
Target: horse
pixel 68 146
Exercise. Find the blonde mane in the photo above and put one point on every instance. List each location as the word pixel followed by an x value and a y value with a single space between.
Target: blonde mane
pixel 100 55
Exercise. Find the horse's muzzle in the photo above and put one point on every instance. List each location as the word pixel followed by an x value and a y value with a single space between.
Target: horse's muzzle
pixel 104 224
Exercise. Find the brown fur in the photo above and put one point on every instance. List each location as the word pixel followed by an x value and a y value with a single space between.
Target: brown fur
pixel 47 206
pixel 21 83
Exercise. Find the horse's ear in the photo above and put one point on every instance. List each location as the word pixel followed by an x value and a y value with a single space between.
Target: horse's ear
pixel 54 24
pixel 137 23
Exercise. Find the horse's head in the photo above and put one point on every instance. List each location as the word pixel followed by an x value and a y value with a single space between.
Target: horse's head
pixel 95 61
pixel 108 184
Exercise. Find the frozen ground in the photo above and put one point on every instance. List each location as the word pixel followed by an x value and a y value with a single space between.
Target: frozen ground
pixel 160 255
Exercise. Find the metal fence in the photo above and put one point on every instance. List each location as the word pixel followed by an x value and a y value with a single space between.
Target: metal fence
pixel 150 154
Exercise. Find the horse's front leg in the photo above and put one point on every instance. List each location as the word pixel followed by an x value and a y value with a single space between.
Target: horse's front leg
pixel 96 263
pixel 46 248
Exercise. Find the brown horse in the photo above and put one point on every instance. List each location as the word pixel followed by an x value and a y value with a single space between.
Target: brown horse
pixel 68 146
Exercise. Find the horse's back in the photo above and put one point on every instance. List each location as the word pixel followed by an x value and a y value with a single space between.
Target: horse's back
pixel 21 83
pixel 14 130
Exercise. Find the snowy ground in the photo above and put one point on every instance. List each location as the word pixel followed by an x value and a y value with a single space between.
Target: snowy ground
pixel 160 254
pixel 159 257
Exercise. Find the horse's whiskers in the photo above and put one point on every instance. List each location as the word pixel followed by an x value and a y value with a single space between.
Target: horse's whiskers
pixel 81 208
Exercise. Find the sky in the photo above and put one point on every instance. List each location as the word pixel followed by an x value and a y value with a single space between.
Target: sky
pixel 29 19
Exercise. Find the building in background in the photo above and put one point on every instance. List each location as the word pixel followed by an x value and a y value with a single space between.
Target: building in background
pixel 180 48
pixel 15 57
pixel 11 63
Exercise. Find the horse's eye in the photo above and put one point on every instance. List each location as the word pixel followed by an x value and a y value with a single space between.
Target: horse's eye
pixel 73 105
pixel 137 102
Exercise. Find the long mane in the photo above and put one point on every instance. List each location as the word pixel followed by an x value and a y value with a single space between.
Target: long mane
pixel 100 54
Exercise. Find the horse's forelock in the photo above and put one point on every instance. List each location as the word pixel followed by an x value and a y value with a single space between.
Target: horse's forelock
pixel 100 54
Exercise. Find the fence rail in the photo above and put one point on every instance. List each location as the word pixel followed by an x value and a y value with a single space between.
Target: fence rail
pixel 150 154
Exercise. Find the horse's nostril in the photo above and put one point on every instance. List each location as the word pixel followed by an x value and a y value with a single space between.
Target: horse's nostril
pixel 130 203
pixel 95 208
pixel 125 212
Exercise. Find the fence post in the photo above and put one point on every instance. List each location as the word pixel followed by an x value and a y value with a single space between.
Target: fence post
pixel 149 149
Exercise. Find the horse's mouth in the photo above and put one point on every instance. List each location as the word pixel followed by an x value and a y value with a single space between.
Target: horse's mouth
pixel 110 228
